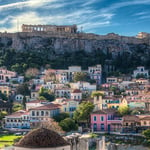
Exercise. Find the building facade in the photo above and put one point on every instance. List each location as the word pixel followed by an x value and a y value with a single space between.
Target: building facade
pixel 140 71
pixel 105 121
pixel 20 119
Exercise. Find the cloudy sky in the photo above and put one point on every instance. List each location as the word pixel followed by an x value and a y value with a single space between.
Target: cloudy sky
pixel 125 17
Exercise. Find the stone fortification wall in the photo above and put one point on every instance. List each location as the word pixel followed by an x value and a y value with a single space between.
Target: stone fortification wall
pixel 88 36
pixel 69 42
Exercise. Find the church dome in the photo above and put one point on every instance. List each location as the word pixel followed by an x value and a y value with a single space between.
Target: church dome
pixel 42 138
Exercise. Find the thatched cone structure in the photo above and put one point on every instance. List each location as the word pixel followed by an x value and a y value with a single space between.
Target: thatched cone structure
pixel 42 139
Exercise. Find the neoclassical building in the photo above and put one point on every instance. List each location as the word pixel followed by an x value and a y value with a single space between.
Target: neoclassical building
pixel 50 28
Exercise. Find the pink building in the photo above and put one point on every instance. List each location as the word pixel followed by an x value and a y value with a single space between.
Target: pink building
pixel 6 75
pixel 106 120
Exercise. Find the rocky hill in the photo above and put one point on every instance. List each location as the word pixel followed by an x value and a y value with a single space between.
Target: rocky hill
pixel 106 47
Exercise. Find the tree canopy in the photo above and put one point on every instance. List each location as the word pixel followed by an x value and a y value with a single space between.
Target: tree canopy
pixel 61 117
pixel 146 133
pixel 96 93
pixel 68 124
pixel 46 94
pixel 80 76
pixel 82 113
pixel 124 110
pixel 3 114
pixel 23 89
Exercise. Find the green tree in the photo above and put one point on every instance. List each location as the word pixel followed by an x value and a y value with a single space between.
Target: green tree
pixel 146 133
pixel 61 117
pixel 96 94
pixel 42 98
pixel 23 89
pixel 16 107
pixel 3 96
pixel 124 110
pixel 80 76
pixel 82 113
pixel 47 94
pixel 3 114
pixel 24 102
pixel 68 124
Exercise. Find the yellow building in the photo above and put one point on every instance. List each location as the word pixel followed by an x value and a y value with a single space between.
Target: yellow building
pixel 5 89
pixel 117 103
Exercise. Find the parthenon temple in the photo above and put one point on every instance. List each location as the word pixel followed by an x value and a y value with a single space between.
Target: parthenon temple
pixel 50 28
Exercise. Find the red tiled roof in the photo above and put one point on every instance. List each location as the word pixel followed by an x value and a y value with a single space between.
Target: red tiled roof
pixel 76 91
pixel 50 106
pixel 18 113
pixel 145 118
pixel 131 118
pixel 37 101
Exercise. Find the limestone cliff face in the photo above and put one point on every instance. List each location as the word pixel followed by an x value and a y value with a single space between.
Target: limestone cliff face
pixel 60 44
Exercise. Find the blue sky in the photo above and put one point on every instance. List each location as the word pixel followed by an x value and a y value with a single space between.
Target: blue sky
pixel 124 17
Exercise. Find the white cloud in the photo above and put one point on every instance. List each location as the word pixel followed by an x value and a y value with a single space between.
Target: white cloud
pixel 86 3
pixel 17 21
pixel 144 17
pixel 124 4
pixel 91 25
pixel 28 3
pixel 87 17
pixel 140 13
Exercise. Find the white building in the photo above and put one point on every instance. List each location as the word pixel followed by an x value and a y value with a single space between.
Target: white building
pixel 52 86
pixel 63 92
pixel 111 80
pixel 67 105
pixel 83 86
pixel 71 70
pixel 38 81
pixel 140 71
pixel 62 76
pixel 35 103
pixel 42 113
pixel 34 95
pixel 19 119
pixel 95 73
pixel 19 97
pixel 76 94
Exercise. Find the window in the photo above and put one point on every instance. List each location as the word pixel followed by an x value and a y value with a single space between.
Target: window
pixel 46 113
pixel 109 117
pixel 94 118
pixel 42 113
pixel 144 122
pixel 102 118
pixel 102 127
pixel 126 124
pixel 33 113
pixel 37 113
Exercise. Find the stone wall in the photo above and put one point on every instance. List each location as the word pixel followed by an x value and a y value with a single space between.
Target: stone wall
pixel 69 42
